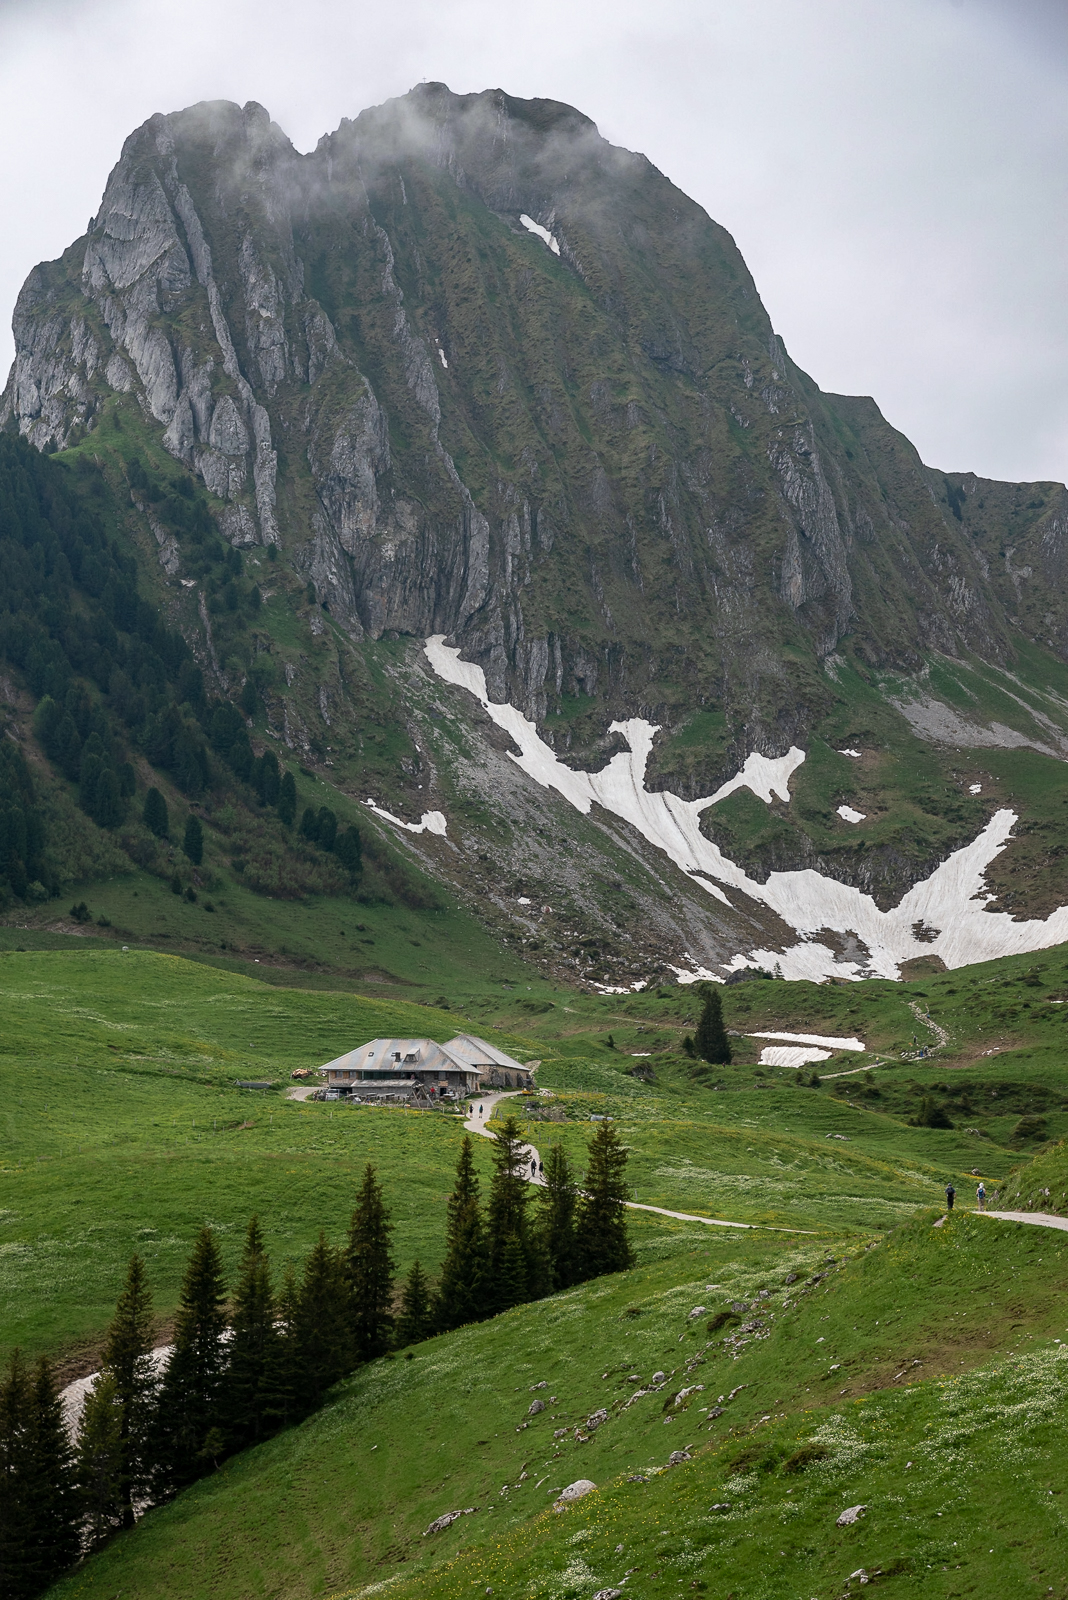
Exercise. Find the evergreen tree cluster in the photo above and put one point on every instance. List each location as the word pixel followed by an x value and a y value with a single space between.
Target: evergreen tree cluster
pixel 242 1367
pixel 21 829
pixel 110 678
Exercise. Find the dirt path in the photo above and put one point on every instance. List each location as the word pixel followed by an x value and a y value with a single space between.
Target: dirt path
pixel 477 1124
pixel 474 1123
pixel 1040 1219
pixel 928 1022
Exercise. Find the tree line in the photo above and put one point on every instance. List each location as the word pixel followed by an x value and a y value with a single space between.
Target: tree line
pixel 111 679
pixel 242 1367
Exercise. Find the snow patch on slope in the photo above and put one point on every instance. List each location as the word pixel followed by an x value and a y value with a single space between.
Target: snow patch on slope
pixel 952 900
pixel 543 233
pixel 848 814
pixel 813 1038
pixel 429 822
pixel 791 1056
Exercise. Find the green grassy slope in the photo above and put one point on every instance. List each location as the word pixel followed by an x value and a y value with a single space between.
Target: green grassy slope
pixel 123 1129
pixel 898 1377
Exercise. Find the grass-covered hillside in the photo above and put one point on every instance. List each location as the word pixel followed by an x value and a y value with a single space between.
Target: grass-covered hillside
pixel 846 1334
pixel 919 1377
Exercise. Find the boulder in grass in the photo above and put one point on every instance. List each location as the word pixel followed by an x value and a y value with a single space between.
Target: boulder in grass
pixel 447 1520
pixel 698 1311
pixel 574 1491
pixel 850 1515
pixel 594 1422
pixel 608 1594
pixel 677 1457
pixel 535 1407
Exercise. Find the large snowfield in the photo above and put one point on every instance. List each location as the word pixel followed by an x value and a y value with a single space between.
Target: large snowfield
pixel 948 908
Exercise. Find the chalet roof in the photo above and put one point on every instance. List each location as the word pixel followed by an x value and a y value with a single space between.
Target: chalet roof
pixel 477 1050
pixel 465 1053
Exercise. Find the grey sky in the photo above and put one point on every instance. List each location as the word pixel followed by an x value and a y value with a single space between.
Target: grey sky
pixel 894 174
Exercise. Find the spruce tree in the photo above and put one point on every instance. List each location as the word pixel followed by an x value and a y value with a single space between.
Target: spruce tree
pixel 556 1222
pixel 155 814
pixel 193 840
pixel 603 1245
pixel 38 1508
pixel 322 1331
pixel 370 1267
pixel 53 1484
pixel 17 1534
pixel 102 1480
pixel 128 1360
pixel 191 1399
pixel 286 1379
pixel 710 1040
pixel 512 1254
pixel 255 1347
pixel 287 799
pixel 413 1324
pixel 463 1289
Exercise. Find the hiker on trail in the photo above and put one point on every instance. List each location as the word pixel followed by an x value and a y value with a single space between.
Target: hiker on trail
pixel 480 1110
pixel 950 1196
pixel 980 1195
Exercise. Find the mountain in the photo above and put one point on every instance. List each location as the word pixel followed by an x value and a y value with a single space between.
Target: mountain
pixel 469 374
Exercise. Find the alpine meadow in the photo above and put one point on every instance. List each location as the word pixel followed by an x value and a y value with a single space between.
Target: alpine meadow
pixel 636 776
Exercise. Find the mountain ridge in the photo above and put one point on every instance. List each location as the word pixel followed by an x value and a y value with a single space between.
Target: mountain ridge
pixel 471 371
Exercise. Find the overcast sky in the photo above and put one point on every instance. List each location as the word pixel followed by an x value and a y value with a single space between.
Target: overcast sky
pixel 893 173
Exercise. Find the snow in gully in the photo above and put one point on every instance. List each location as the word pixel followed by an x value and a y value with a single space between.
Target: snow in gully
pixel 948 907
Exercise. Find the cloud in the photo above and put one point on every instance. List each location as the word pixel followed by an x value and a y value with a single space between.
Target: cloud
pixel 893 175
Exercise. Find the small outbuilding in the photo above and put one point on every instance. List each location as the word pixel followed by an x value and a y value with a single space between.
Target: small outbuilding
pixel 428 1069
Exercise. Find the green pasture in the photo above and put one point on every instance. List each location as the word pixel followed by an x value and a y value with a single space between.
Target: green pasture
pixel 917 1376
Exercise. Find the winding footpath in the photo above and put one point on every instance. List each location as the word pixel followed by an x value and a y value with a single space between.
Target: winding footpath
pixel 1041 1219
pixel 476 1123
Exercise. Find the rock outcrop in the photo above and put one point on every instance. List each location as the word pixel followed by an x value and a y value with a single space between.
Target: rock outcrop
pixel 578 447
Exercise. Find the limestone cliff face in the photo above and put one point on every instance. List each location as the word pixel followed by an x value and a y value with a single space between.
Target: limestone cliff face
pixel 478 372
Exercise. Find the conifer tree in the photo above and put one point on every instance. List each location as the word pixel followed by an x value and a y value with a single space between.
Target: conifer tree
pixel 710 1041
pixel 193 840
pixel 413 1324
pixel 602 1219
pixel 53 1484
pixel 370 1267
pixel 17 1534
pixel 38 1509
pixel 287 799
pixel 286 1379
pixel 155 814
pixel 322 1334
pixel 102 1480
pixel 556 1222
pixel 463 1289
pixel 128 1360
pixel 254 1347
pixel 191 1399
pixel 513 1258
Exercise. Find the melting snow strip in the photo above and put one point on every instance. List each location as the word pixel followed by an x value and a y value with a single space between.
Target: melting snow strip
pixel 952 902
pixel 847 814
pixel 785 1055
pixel 429 822
pixel 542 233
pixel 813 1038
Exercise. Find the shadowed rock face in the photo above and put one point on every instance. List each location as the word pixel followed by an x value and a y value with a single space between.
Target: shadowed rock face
pixel 597 469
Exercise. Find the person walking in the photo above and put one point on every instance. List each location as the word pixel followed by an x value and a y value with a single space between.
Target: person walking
pixel 480 1110
pixel 951 1195
pixel 980 1195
